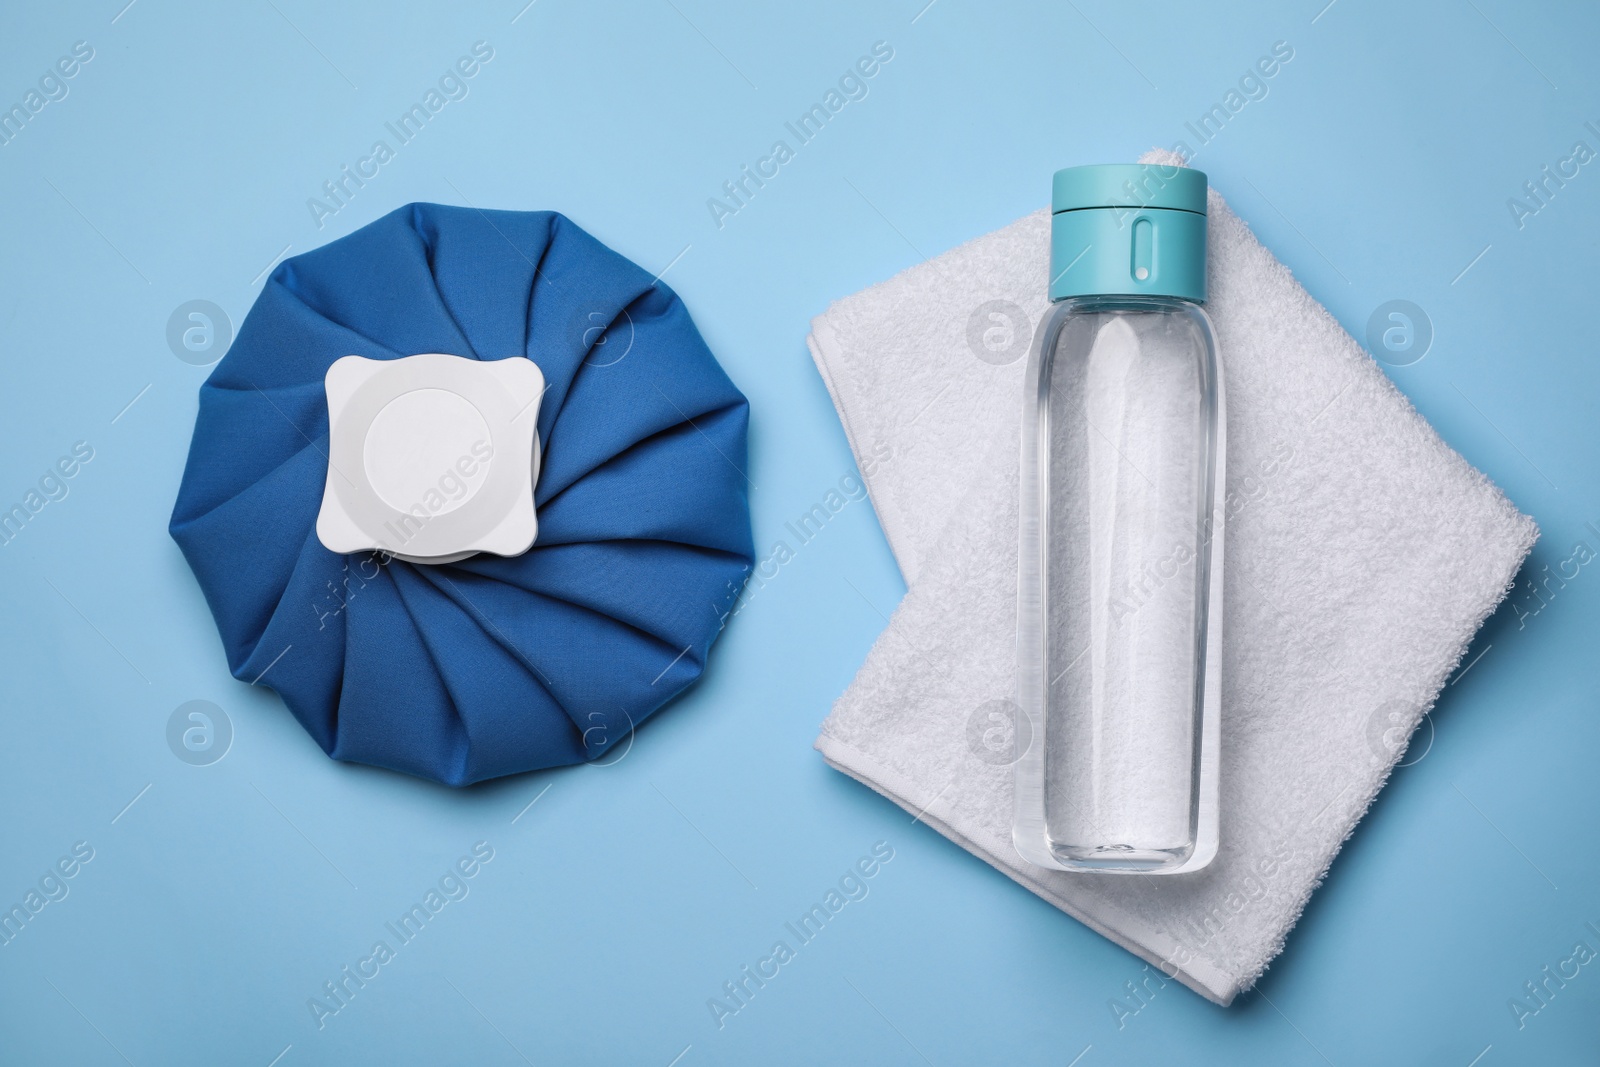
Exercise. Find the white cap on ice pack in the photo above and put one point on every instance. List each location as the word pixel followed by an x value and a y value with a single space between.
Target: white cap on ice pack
pixel 431 458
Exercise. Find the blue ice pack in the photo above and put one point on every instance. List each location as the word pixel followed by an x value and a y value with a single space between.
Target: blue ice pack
pixel 489 665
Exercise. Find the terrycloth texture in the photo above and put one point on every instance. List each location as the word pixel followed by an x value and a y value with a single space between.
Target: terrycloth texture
pixel 489 666
pixel 1362 555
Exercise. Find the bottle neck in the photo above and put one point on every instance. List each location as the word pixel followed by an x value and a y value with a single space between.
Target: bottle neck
pixel 1124 302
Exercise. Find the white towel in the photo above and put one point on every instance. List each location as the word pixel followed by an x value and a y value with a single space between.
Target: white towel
pixel 1362 555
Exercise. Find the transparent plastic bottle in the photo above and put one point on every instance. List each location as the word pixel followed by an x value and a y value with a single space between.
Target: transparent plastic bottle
pixel 1120 577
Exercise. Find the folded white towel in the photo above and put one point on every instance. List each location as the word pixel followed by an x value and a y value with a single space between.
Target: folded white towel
pixel 1363 554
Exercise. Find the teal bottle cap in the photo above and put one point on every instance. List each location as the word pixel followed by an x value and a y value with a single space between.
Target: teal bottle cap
pixel 1128 229
pixel 1129 185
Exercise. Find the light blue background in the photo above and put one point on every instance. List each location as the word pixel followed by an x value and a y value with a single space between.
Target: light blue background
pixel 1378 167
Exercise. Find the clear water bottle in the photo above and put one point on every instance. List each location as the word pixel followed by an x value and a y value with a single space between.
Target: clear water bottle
pixel 1119 613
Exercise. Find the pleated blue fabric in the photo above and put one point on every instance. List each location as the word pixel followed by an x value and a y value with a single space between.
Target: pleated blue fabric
pixel 490 666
